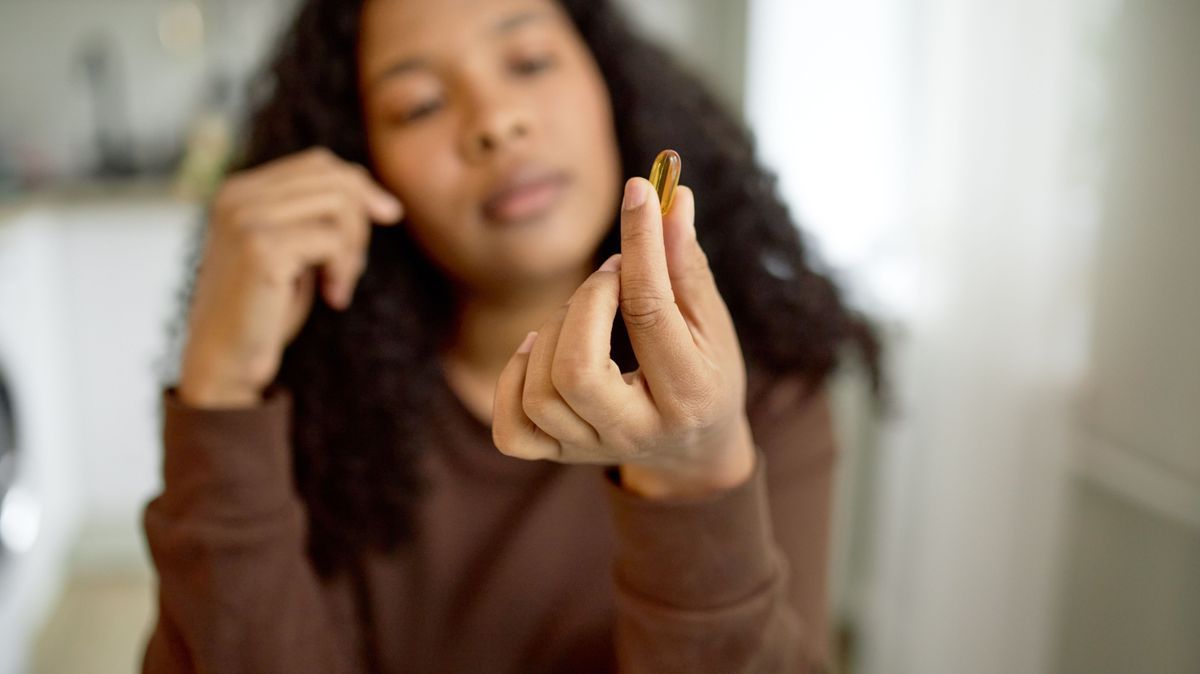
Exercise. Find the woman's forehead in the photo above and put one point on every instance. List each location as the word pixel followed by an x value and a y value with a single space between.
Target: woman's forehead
pixel 403 32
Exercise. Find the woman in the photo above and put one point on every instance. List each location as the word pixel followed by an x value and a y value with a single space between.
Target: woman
pixel 399 441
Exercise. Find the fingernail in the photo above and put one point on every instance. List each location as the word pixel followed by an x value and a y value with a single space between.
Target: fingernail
pixel 334 294
pixel 635 193
pixel 613 263
pixel 390 206
pixel 339 295
pixel 527 344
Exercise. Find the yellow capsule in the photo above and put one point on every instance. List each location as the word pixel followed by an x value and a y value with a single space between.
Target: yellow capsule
pixel 664 175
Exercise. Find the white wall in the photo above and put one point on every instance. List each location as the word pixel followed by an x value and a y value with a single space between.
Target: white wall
pixel 951 157
pixel 1131 601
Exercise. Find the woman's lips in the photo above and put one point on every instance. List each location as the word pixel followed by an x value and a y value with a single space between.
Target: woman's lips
pixel 526 198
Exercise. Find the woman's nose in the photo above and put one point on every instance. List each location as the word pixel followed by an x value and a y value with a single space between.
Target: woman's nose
pixel 495 124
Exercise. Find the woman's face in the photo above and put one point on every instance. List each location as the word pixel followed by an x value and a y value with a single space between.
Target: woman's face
pixel 491 122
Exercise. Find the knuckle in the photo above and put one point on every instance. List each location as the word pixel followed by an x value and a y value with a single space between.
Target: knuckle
pixel 358 247
pixel 351 271
pixel 695 410
pixel 262 367
pixel 223 199
pixel 511 440
pixel 226 204
pixel 355 265
pixel 344 175
pixel 362 180
pixel 357 175
pixel 640 235
pixel 320 154
pixel 507 446
pixel 258 249
pixel 699 261
pixel 644 312
pixel 538 405
pixel 624 449
pixel 342 202
pixel 691 417
pixel 698 268
pixel 595 288
pixel 501 439
pixel 238 216
pixel 572 376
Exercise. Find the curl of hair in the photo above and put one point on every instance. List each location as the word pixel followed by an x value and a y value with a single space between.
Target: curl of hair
pixel 362 379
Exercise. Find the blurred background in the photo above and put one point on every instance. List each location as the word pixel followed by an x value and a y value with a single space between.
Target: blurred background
pixel 1012 189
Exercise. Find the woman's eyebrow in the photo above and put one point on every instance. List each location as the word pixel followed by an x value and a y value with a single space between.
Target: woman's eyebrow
pixel 511 23
pixel 400 68
pixel 413 63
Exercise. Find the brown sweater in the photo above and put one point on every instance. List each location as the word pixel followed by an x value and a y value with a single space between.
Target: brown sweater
pixel 517 567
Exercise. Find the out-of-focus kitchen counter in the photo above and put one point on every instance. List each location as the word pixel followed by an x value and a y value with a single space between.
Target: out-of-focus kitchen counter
pixel 90 282
pixel 122 248
pixel 90 193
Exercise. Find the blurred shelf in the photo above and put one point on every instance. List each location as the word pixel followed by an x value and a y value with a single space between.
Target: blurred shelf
pixel 86 193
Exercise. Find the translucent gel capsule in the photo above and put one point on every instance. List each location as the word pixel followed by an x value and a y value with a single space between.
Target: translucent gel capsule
pixel 664 175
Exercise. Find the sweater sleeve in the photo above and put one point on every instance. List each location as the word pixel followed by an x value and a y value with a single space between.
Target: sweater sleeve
pixel 734 582
pixel 227 536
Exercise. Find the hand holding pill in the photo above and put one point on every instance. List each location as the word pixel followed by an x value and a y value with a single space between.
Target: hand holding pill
pixel 676 426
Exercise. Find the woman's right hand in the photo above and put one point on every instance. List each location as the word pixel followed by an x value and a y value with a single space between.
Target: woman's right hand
pixel 277 232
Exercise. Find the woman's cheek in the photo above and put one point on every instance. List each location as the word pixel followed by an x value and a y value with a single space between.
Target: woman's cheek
pixel 397 163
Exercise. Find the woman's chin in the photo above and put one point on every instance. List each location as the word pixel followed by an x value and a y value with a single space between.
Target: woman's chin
pixel 543 265
pixel 553 256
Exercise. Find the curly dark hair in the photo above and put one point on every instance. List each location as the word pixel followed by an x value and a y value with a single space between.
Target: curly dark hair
pixel 362 380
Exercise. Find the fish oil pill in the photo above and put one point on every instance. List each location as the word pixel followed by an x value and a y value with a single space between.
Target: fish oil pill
pixel 664 175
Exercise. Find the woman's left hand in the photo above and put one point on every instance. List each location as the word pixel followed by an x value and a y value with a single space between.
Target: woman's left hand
pixel 677 426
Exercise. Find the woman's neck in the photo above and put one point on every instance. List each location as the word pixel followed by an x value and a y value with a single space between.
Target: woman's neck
pixel 489 328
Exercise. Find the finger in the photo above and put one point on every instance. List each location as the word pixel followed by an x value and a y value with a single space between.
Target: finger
pixel 660 337
pixel 341 277
pixel 338 210
pixel 313 170
pixel 336 196
pixel 679 237
pixel 542 402
pixel 283 255
pixel 335 206
pixel 282 209
pixel 308 161
pixel 352 180
pixel 583 371
pixel 692 280
pixel 513 433
pixel 312 243
pixel 382 206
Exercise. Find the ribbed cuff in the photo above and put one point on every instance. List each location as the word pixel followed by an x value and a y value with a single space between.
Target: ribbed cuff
pixel 696 553
pixel 227 463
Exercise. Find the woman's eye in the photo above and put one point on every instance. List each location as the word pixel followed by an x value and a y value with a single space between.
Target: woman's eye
pixel 420 111
pixel 532 66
